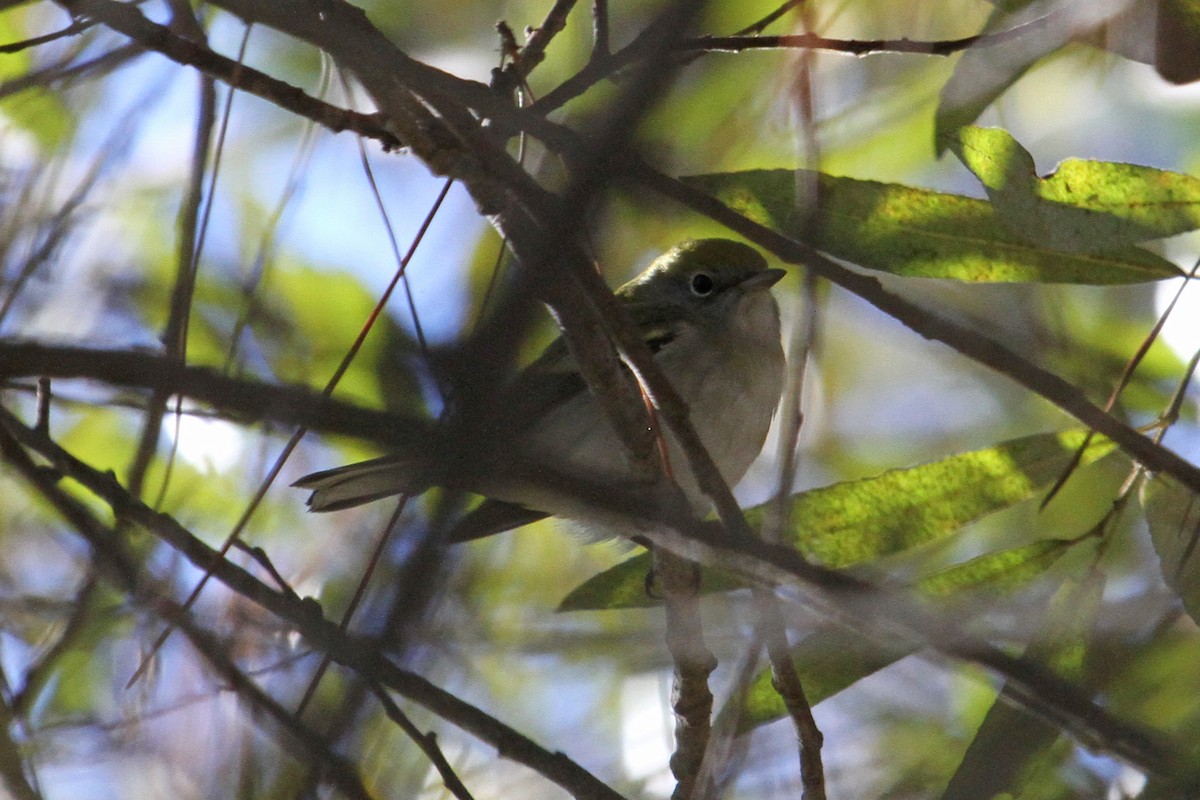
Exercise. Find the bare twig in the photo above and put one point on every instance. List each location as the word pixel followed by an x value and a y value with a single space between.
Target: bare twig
pixel 860 47
pixel 119 568
pixel 691 698
pixel 600 43
pixel 68 70
pixel 127 19
pixel 1123 381
pixel 75 28
pixel 534 50
pixel 427 742
pixel 755 28
pixel 174 334
pixel 771 628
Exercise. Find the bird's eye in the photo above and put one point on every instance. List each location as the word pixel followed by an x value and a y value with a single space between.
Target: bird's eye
pixel 702 284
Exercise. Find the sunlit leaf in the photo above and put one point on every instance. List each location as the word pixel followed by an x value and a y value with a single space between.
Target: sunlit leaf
pixel 857 521
pixel 860 521
pixel 1003 569
pixel 919 232
pixel 625 586
pixel 833 658
pixel 1083 206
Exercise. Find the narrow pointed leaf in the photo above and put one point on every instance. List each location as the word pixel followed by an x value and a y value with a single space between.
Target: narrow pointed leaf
pixel 832 658
pixel 917 232
pixel 1025 740
pixel 860 521
pixel 1004 569
pixel 828 660
pixel 982 74
pixel 857 521
pixel 1083 206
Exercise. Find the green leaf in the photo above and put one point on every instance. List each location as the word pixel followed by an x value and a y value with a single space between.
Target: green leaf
pixel 1083 206
pixel 624 586
pixel 1173 515
pixel 42 114
pixel 919 232
pixel 857 521
pixel 833 658
pixel 1004 569
pixel 828 660
pixel 1027 741
pixel 860 521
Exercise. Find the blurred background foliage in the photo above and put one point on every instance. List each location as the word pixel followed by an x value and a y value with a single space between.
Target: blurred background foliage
pixel 96 143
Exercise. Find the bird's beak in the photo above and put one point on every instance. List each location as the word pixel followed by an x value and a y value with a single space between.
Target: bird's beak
pixel 762 280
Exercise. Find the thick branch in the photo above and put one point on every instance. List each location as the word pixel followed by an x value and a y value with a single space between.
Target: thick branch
pixel 247 399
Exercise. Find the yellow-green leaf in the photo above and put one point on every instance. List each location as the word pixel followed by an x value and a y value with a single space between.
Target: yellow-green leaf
pixel 1083 206
pixel 1002 569
pixel 917 232
pixel 625 586
pixel 857 521
pixel 860 521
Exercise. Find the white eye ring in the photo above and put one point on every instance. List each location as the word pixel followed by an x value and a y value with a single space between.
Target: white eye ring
pixel 702 284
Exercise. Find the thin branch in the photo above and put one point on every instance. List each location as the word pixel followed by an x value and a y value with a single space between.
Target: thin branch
pixel 13 767
pixel 691 697
pixel 302 430
pixel 427 742
pixel 127 19
pixel 75 28
pixel 784 676
pixel 42 670
pixel 244 398
pixel 758 27
pixel 860 47
pixel 600 43
pixel 534 50
pixel 1123 381
pixel 67 70
pixel 187 254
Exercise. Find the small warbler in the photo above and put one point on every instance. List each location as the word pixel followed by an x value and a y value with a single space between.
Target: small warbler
pixel 705 310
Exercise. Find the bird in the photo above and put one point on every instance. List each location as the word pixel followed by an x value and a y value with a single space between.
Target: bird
pixel 705 311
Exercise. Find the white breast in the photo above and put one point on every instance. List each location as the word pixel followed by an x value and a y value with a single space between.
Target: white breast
pixel 730 401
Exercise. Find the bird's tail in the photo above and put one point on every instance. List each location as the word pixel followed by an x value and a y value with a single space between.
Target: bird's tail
pixel 355 484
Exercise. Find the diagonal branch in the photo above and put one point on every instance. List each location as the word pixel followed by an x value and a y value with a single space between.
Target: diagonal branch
pixel 970 343
pixel 128 20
